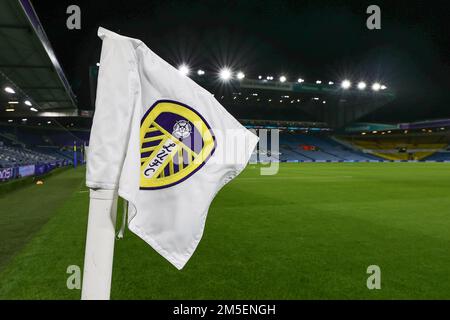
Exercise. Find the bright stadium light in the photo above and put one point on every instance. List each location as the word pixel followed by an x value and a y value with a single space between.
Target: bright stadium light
pixel 282 79
pixel 225 74
pixel 259 77
pixel 330 83
pixel 24 119
pixel 346 84
pixel 49 122
pixel 28 103
pixel 98 64
pixel 34 109
pixel 184 69
pixel 300 80
pixel 10 110
pixel 383 87
pixel 361 85
pixel 240 75
pixel 318 82
pixel 9 90
pixel 200 72
pixel 10 120
pixel 376 86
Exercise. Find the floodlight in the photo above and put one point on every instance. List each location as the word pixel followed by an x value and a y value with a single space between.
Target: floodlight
pixel 240 75
pixel 184 69
pixel 362 85
pixel 225 74
pixel 376 86
pixel 9 90
pixel 346 84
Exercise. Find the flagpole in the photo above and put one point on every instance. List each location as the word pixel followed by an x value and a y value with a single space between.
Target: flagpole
pixel 99 252
pixel 100 239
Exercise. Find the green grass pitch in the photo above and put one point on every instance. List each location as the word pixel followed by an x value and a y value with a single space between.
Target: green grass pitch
pixel 309 232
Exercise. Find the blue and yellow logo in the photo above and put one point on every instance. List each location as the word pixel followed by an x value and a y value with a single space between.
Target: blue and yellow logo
pixel 175 141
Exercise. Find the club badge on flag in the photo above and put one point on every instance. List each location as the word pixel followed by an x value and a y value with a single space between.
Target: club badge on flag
pixel 165 143
pixel 175 142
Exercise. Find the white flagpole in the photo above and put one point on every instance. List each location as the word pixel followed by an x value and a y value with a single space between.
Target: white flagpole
pixel 100 238
pixel 99 254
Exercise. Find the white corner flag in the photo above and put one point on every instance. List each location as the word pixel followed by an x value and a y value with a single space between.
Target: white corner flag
pixel 164 143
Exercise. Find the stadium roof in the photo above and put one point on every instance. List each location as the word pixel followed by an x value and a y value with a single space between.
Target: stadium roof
pixel 28 63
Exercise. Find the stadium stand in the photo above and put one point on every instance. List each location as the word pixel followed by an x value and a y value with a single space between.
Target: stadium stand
pixel 414 147
pixel 308 147
pixel 13 157
pixel 26 150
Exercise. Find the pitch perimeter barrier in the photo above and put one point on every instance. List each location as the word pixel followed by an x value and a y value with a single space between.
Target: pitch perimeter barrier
pixel 12 173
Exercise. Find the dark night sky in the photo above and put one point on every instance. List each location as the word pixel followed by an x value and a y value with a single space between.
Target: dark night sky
pixel 316 39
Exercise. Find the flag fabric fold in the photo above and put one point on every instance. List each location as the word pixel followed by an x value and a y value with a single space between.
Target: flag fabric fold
pixel 164 142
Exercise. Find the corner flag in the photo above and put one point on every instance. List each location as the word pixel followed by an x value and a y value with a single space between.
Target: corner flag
pixel 164 142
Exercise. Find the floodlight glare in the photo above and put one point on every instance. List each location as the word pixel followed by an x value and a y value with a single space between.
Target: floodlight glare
pixel 346 84
pixel 376 86
pixel 282 79
pixel 200 72
pixel 28 103
pixel 34 109
pixel 9 90
pixel 383 87
pixel 225 74
pixel 184 69
pixel 300 80
pixel 362 85
pixel 318 82
pixel 240 75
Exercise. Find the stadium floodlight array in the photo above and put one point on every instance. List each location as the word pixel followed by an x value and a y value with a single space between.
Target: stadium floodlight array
pixel 226 74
